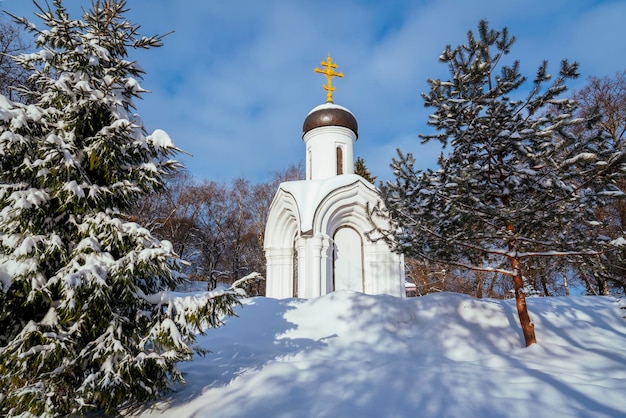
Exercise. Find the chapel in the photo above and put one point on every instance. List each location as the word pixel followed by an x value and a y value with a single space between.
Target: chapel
pixel 316 234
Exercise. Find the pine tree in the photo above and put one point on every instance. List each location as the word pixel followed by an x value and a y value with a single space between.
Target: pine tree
pixel 87 319
pixel 517 183
pixel 361 169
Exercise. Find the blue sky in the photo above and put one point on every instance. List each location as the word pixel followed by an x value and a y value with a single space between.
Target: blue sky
pixel 234 82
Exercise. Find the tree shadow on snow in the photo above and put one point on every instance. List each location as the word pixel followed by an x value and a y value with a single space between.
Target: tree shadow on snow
pixel 440 355
pixel 244 343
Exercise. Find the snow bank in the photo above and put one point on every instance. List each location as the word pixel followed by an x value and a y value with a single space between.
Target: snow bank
pixel 445 355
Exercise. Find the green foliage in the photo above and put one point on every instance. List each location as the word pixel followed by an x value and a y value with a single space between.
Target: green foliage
pixel 87 319
pixel 361 169
pixel 517 182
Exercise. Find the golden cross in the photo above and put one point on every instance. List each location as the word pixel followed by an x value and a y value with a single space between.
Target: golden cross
pixel 329 73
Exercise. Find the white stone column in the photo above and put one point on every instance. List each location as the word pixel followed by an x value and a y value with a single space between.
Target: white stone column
pixel 315 280
pixel 303 262
pixel 279 266
pixel 326 262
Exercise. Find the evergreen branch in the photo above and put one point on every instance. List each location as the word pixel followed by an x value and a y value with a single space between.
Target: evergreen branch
pixel 464 266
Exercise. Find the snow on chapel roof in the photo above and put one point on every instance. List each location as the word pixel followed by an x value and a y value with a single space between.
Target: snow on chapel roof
pixel 308 194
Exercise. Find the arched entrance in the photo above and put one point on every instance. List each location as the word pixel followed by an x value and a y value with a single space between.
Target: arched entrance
pixel 348 260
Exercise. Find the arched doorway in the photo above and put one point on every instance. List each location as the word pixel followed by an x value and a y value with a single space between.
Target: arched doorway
pixel 348 260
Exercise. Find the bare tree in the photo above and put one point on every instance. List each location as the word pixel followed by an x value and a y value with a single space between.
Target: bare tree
pixel 216 226
pixel 172 214
pixel 12 75
pixel 607 96
pixel 212 226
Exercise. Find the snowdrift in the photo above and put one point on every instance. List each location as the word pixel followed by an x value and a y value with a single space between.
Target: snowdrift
pixel 445 355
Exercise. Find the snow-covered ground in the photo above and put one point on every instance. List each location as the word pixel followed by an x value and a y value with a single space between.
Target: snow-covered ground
pixel 444 355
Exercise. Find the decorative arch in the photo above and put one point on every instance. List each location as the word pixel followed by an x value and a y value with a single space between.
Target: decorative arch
pixel 308 222
pixel 282 221
pixel 345 206
pixel 281 232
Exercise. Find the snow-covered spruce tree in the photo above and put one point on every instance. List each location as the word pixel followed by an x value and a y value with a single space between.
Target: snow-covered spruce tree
pixel 516 183
pixel 87 319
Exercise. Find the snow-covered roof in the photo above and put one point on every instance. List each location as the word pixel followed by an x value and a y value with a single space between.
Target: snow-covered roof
pixel 329 106
pixel 308 194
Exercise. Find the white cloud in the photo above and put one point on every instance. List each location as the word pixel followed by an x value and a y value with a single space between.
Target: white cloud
pixel 235 80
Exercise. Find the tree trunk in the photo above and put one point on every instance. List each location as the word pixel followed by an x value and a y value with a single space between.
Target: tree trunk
pixel 528 328
pixel 480 279
pixel 603 286
pixel 565 283
pixel 588 284
pixel 544 285
pixel 491 285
